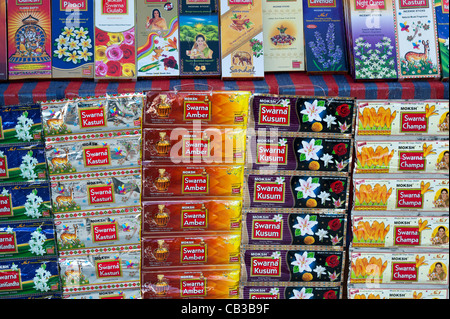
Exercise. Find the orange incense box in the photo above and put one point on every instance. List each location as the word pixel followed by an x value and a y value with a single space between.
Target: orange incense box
pixel 205 107
pixel 191 249
pixel 191 215
pixel 182 145
pixel 162 181
pixel 201 282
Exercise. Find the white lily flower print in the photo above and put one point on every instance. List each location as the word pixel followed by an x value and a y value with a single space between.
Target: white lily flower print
pixel 312 110
pixel 305 225
pixel 303 262
pixel 324 196
pixel 276 255
pixel 330 120
pixel 282 142
pixel 285 102
pixel 279 180
pixel 322 233
pixel 274 291
pixel 278 218
pixel 310 150
pixel 307 188
pixel 302 294
pixel 320 271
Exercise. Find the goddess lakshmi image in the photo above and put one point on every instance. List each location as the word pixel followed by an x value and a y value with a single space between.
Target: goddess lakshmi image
pixel 30 41
pixel 157 22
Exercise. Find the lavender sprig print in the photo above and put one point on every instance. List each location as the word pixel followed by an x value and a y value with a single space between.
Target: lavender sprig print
pixel 327 57
pixel 374 63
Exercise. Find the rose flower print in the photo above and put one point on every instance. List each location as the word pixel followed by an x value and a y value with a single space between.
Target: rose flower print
pixel 115 54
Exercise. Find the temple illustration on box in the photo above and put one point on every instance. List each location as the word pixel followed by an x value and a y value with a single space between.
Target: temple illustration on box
pixel 30 41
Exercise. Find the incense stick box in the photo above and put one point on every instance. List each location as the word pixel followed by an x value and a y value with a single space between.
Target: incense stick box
pixel 115 45
pixel 242 39
pixel 442 9
pixel 283 35
pixel 417 48
pixel 370 26
pixel 29 39
pixel 3 39
pixel 157 38
pixel 324 32
pixel 72 40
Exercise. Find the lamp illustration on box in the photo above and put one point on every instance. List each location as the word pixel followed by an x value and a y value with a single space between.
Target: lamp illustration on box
pixel 162 182
pixel 161 253
pixel 163 145
pixel 164 108
pixel 30 41
pixel 161 217
pixel 161 287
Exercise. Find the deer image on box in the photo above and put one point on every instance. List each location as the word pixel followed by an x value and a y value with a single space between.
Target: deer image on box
pixel 67 238
pixel 415 57
pixel 65 201
pixel 60 162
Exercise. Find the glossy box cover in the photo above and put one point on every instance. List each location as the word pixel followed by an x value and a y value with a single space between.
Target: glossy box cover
pixel 372 44
pixel 325 39
pixel 242 39
pixel 283 35
pixel 115 43
pixel 73 39
pixel 157 38
pixel 29 39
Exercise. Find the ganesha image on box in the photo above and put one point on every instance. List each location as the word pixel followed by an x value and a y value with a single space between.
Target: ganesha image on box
pixel 30 41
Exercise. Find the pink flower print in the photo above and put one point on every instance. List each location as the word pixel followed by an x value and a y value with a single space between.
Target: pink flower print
pixel 128 37
pixel 114 53
pixel 100 68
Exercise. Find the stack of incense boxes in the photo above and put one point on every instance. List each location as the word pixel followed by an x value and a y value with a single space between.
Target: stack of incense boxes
pixel 296 197
pixel 400 217
pixel 28 249
pixel 193 175
pixel 93 152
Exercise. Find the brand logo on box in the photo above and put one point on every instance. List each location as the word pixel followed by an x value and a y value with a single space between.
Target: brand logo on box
pixel 271 154
pixel 4 167
pixel 92 117
pixel 197 110
pixel 104 232
pixel 96 156
pixel 195 147
pixel 269 192
pixel 194 218
pixel 108 268
pixel 193 253
pixel 5 205
pixel 445 6
pixel 28 2
pixel 411 161
pixel 404 272
pixel 265 266
pixel 114 6
pixel 274 114
pixel 267 229
pixel 193 287
pixel 10 280
pixel 321 3
pixel 80 5
pixel 414 122
pixel 233 2
pixel 409 198
pixel 8 243
pixel 407 236
pixel 407 4
pixel 195 184
pixel 370 4
pixel 264 296
pixel 102 194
